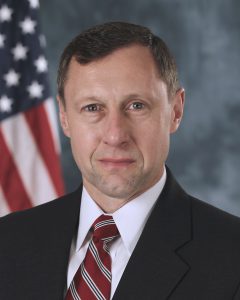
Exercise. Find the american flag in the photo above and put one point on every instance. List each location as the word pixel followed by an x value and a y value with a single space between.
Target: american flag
pixel 29 147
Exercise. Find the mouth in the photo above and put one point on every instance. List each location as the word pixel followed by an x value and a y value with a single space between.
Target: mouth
pixel 113 163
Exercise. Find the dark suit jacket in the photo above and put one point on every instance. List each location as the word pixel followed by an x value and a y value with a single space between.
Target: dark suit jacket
pixel 187 251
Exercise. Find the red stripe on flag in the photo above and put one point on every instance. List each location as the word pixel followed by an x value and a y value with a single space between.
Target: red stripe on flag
pixel 42 134
pixel 10 180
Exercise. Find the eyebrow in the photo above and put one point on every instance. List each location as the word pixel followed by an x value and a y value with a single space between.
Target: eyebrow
pixel 126 97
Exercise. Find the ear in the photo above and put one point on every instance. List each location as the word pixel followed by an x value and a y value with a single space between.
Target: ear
pixel 177 109
pixel 63 117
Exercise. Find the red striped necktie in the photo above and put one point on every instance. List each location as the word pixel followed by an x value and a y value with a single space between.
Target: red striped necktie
pixel 93 278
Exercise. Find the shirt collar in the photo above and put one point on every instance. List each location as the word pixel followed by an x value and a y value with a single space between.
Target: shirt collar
pixel 133 214
pixel 89 212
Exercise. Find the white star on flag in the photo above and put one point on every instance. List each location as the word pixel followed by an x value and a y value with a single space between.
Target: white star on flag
pixel 34 3
pixel 19 52
pixel 28 25
pixel 5 104
pixel 12 78
pixel 41 64
pixel 2 39
pixel 35 90
pixel 5 13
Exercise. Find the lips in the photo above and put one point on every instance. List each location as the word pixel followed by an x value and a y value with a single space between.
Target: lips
pixel 116 162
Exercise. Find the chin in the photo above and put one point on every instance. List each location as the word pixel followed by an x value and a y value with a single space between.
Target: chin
pixel 116 189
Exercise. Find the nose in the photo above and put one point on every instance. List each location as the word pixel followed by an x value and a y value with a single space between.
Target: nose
pixel 116 129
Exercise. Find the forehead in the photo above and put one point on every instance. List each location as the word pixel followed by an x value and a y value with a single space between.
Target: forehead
pixel 129 70
pixel 126 59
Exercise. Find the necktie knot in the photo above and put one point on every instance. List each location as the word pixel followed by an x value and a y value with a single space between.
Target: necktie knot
pixel 105 229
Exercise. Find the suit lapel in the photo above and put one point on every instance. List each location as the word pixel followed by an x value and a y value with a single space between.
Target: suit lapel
pixel 155 268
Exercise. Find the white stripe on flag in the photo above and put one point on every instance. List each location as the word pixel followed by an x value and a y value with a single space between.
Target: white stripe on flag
pixel 31 167
pixel 4 209
pixel 52 117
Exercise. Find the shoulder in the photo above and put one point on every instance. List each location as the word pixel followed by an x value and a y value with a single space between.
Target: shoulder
pixel 215 238
pixel 204 216
pixel 210 230
pixel 46 209
pixel 213 220
pixel 38 220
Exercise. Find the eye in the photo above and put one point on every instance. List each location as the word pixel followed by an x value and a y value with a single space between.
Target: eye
pixel 92 108
pixel 136 106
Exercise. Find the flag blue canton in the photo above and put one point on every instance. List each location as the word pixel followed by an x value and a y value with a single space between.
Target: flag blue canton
pixel 23 66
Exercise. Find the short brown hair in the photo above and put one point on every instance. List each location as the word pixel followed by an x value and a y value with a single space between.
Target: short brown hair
pixel 101 40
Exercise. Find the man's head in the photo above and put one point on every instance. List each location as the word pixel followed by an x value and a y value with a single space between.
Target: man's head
pixel 101 40
pixel 117 112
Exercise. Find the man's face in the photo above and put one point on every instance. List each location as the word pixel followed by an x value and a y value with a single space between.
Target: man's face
pixel 118 118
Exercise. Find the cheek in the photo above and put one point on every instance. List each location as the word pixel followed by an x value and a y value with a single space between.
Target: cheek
pixel 83 143
pixel 154 145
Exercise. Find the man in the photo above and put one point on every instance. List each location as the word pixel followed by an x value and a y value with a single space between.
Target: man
pixel 119 100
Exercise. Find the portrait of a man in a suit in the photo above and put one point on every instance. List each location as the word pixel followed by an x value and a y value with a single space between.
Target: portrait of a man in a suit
pixel 129 232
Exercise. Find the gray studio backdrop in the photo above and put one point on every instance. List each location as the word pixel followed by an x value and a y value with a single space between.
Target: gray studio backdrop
pixel 204 36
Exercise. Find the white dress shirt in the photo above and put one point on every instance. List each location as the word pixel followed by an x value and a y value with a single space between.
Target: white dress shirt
pixel 130 220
